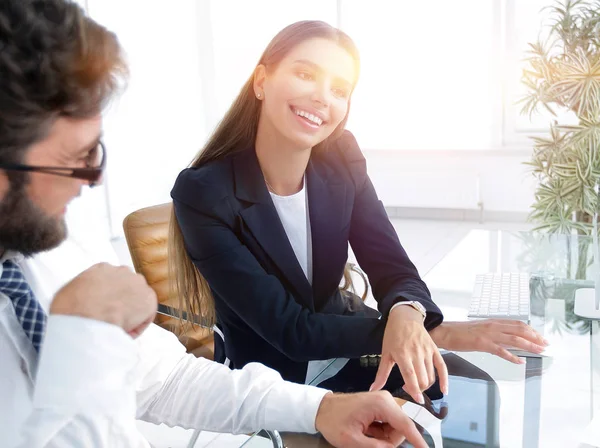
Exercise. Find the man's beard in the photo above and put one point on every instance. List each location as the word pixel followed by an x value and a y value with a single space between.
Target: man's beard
pixel 24 227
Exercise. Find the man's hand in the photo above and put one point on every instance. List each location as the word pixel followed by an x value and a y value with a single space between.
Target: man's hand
pixel 111 294
pixel 490 335
pixel 365 420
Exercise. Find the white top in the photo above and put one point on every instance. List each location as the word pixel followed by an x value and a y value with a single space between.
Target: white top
pixel 94 381
pixel 293 213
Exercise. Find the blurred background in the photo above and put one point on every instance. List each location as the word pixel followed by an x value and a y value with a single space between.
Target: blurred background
pixel 434 110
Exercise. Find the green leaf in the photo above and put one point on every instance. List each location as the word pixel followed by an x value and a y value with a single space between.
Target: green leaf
pixel 563 73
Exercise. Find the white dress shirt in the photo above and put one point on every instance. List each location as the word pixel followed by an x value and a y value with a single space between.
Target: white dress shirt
pixel 94 381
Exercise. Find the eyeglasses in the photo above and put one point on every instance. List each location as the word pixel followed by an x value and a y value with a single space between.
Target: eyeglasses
pixel 94 166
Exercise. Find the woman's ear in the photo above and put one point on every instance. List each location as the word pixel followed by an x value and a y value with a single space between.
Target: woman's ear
pixel 260 74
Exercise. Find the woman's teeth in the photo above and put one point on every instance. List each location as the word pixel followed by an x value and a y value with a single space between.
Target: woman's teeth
pixel 308 116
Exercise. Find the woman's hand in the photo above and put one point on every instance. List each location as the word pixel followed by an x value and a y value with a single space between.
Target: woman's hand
pixel 407 343
pixel 491 335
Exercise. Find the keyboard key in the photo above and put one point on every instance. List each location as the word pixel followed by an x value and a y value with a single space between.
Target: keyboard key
pixel 501 295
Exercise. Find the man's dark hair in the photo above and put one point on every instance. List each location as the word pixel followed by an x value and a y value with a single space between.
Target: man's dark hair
pixel 54 61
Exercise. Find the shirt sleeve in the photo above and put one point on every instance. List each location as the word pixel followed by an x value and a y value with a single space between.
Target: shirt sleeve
pixel 93 381
pixel 84 393
pixel 196 393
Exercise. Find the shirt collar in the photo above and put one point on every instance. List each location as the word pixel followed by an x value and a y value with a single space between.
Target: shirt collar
pixel 10 255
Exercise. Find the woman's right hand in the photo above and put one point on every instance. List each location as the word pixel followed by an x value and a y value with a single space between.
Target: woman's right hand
pixel 407 343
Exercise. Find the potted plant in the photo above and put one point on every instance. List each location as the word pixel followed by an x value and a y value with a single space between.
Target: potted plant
pixel 563 75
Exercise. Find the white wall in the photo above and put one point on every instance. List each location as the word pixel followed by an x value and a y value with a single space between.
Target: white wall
pixel 158 125
pixel 453 179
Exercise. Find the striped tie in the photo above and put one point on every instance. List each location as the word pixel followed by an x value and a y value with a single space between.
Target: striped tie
pixel 28 310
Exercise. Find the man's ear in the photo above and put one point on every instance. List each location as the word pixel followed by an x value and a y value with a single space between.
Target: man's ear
pixel 4 184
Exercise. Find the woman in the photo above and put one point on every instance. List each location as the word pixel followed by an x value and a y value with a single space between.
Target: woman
pixel 263 218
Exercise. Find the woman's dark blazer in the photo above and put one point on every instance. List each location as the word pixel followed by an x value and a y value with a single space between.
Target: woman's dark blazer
pixel 266 308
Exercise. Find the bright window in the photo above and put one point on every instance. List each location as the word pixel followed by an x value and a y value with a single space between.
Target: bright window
pixel 427 80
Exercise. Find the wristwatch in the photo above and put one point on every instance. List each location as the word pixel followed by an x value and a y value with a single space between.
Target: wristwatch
pixel 414 304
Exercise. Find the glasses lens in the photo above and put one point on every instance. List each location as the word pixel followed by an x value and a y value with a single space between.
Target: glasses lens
pixel 95 156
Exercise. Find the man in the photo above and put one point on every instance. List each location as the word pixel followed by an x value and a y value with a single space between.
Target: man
pixel 81 374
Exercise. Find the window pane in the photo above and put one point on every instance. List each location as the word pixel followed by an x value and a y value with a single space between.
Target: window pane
pixel 242 30
pixel 427 78
pixel 530 21
pixel 154 130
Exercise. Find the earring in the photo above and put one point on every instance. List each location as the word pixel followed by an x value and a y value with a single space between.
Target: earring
pixel 258 95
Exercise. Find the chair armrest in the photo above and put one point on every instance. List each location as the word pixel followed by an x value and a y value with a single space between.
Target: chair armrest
pixel 166 310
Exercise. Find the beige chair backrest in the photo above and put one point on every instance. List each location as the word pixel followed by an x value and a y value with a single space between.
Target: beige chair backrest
pixel 147 232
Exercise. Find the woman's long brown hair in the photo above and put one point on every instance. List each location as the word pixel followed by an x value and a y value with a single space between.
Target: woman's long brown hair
pixel 236 132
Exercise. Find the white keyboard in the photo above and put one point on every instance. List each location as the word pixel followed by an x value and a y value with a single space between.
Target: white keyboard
pixel 501 296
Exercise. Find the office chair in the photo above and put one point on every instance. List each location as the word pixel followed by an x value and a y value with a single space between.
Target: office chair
pixel 146 231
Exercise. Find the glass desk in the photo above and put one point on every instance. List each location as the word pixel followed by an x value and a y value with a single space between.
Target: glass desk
pixel 547 402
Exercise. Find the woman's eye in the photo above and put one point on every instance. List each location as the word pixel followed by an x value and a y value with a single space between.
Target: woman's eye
pixel 340 93
pixel 305 76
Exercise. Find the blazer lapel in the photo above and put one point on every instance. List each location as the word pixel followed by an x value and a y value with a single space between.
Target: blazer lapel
pixel 327 208
pixel 263 221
